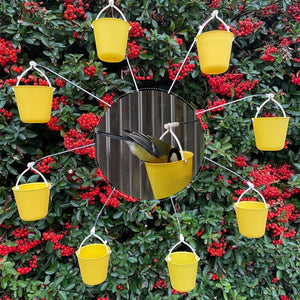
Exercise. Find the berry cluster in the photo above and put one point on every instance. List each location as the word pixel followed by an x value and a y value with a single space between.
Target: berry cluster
pixel 174 68
pixel 108 98
pixel 23 232
pixel 44 166
pixel 214 3
pixel 295 79
pixel 267 56
pixel 74 139
pixel 89 70
pixel 284 297
pixel 271 9
pixel 215 103
pixel 136 30
pixel 217 249
pixel 137 76
pixel 8 54
pixel 74 9
pixel 52 124
pixel 31 79
pixel 7 114
pixel 133 50
pixel 32 265
pixel 32 7
pixel 199 113
pixel 240 161
pixel 245 27
pixel 162 284
pixel 17 69
pixel 59 82
pixel 57 101
pixel 88 121
pixel 229 83
pixel 294 11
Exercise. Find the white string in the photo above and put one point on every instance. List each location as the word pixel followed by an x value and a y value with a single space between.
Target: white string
pixel 76 85
pixel 231 102
pixel 106 201
pixel 179 227
pixel 250 184
pixel 188 53
pixel 136 87
pixel 62 152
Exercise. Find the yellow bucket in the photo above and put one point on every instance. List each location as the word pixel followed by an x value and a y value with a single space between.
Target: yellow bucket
pixel 270 133
pixel 251 216
pixel 214 50
pixel 32 200
pixel 182 268
pixel 34 103
pixel 111 37
pixel 93 263
pixel 167 179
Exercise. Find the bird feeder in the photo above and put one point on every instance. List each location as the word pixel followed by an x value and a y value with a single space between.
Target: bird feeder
pixel 182 266
pixel 270 133
pixel 167 179
pixel 34 102
pixel 93 260
pixel 251 216
pixel 32 198
pixel 214 47
pixel 111 35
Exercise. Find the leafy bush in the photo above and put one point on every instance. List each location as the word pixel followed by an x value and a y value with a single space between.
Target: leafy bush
pixel 38 258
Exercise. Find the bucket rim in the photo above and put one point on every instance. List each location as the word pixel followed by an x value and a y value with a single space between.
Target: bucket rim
pixel 35 86
pixel 93 258
pixel 43 184
pixel 190 156
pixel 252 202
pixel 270 118
pixel 215 31
pixel 169 260
pixel 111 19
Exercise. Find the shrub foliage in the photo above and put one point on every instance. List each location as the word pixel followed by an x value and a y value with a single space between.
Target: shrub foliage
pixel 37 259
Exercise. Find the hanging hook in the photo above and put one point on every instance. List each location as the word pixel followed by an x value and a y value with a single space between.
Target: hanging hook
pixel 111 3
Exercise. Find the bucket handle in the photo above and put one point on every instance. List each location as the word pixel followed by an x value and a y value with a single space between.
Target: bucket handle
pixel 251 189
pixel 29 167
pixel 182 241
pixel 213 15
pixel 92 233
pixel 270 98
pixel 169 127
pixel 111 4
pixel 33 65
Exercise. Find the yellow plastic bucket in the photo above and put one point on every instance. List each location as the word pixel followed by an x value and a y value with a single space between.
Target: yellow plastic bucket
pixel 214 50
pixel 167 179
pixel 34 103
pixel 111 37
pixel 182 268
pixel 270 133
pixel 251 217
pixel 93 263
pixel 32 200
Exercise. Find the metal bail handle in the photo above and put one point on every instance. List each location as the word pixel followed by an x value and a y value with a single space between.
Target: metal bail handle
pixel 270 98
pixel 252 189
pixel 33 65
pixel 182 241
pixel 29 167
pixel 92 233
pixel 169 127
pixel 213 15
pixel 111 4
